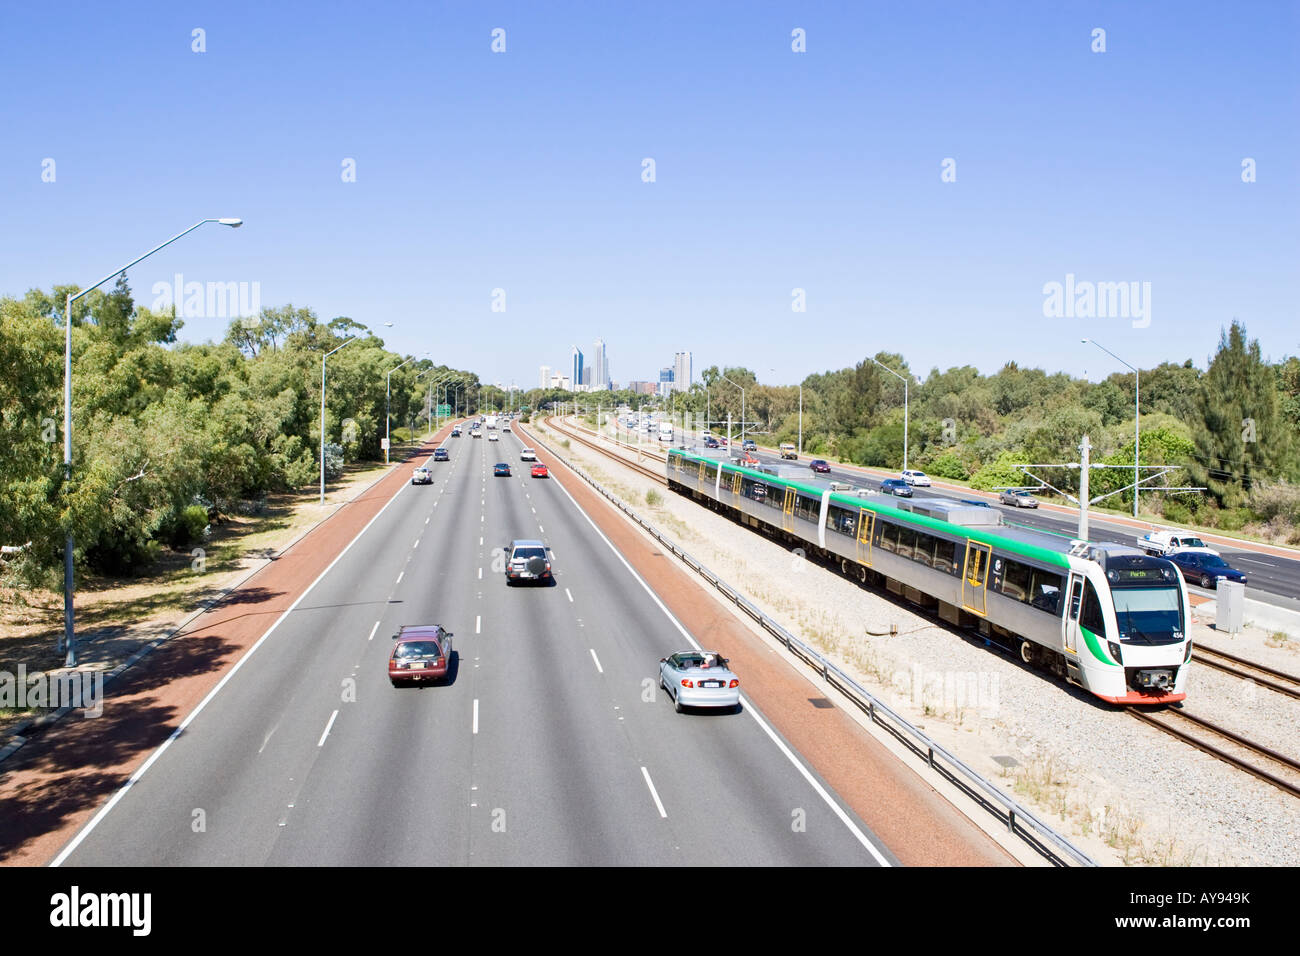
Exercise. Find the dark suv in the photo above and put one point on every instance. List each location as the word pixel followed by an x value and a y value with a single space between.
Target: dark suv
pixel 440 454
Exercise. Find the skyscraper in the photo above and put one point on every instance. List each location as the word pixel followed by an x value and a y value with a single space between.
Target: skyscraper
pixel 576 376
pixel 682 371
pixel 599 367
pixel 546 376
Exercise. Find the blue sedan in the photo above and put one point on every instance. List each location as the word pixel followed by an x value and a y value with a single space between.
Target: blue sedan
pixel 1204 568
pixel 699 679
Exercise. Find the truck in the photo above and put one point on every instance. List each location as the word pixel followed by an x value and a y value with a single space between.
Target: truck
pixel 665 431
pixel 788 450
pixel 1161 543
pixel 491 421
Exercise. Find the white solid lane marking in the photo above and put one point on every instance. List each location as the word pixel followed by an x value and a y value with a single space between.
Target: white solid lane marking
pixel 654 793
pixel 798 763
pixel 321 742
pixel 570 594
pixel 475 715
pixel 597 660
pixel 372 631
pixel 400 576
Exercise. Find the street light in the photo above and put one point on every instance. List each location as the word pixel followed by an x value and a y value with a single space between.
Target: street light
pixel 904 381
pixel 322 412
pixel 742 415
pixel 1137 416
pixel 69 640
pixel 388 384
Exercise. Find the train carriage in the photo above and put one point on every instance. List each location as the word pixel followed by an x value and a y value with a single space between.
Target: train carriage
pixel 1108 618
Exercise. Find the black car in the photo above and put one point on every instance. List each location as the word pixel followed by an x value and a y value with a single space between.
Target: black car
pixel 711 442
pixel 440 454
pixel 820 466
pixel 896 486
pixel 1205 568
pixel 501 470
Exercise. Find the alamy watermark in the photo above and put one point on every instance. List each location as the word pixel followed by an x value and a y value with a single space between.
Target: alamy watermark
pixel 947 690
pixel 53 690
pixel 200 300
pixel 1098 300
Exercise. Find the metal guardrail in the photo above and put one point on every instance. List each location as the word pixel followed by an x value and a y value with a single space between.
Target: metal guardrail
pixel 1019 820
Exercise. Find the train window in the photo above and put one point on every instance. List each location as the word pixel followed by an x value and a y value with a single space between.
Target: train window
pixel 906 542
pixel 1046 591
pixel 808 508
pixel 1015 580
pixel 945 556
pixel 924 551
pixel 1091 616
pixel 710 471
pixel 888 536
pixel 839 520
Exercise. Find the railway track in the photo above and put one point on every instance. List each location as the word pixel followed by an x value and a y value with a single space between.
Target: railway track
pixel 573 435
pixel 1253 758
pixel 1276 680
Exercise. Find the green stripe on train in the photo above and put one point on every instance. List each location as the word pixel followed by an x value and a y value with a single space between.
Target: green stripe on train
pixel 1094 645
pixel 906 517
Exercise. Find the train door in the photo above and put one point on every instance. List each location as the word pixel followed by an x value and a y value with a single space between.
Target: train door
pixel 866 525
pixel 975 579
pixel 735 483
pixel 787 510
pixel 1071 636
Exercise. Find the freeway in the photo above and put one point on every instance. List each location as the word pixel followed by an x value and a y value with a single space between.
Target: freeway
pixel 543 749
pixel 1274 578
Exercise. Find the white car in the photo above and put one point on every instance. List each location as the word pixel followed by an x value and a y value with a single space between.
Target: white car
pixel 493 436
pixel 528 454
pixel 917 478
pixel 699 679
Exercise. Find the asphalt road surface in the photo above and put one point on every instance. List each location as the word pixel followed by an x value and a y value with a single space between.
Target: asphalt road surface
pixel 552 744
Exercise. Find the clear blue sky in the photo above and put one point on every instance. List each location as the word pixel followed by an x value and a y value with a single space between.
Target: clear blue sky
pixel 775 170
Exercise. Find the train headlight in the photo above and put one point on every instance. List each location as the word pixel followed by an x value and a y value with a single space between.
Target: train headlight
pixel 1114 652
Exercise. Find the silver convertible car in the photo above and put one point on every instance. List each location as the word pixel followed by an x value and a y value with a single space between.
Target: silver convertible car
pixel 699 679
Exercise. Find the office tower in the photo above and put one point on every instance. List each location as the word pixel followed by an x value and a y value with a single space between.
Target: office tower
pixel 682 374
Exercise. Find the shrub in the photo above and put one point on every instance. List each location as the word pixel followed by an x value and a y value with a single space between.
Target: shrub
pixel 1176 512
pixel 333 461
pixel 653 498
pixel 948 465
pixel 997 474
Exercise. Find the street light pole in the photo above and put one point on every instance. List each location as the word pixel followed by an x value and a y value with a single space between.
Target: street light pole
pixel 742 416
pixel 69 613
pixel 322 413
pixel 388 384
pixel 904 381
pixel 1137 417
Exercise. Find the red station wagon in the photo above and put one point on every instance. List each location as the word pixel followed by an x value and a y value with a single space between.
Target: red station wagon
pixel 420 653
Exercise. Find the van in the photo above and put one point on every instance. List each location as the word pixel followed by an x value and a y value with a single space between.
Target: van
pixel 788 451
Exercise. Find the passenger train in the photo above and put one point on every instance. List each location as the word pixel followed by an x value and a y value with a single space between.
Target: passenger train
pixel 1107 617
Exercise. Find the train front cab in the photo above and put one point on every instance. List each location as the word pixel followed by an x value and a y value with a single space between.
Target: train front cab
pixel 1119 669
